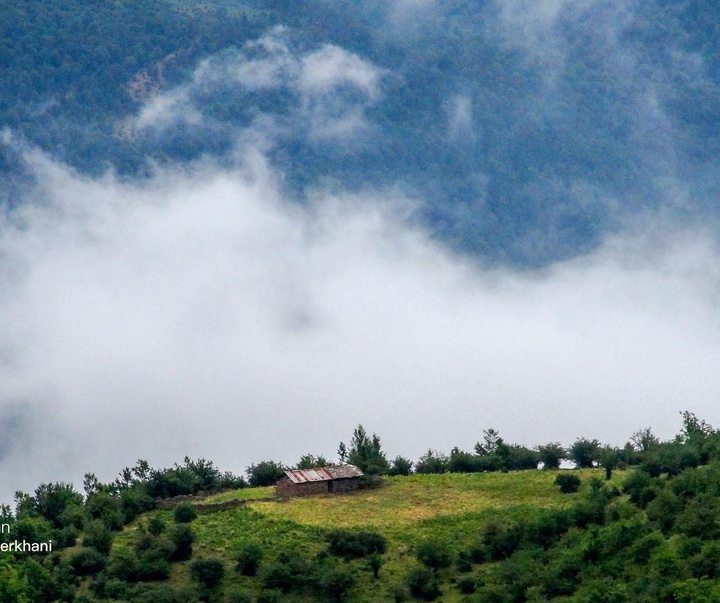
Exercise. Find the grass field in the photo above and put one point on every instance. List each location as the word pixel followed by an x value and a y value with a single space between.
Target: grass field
pixel 452 508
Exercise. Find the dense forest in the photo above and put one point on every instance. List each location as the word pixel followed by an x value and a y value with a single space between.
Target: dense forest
pixel 516 157
pixel 645 529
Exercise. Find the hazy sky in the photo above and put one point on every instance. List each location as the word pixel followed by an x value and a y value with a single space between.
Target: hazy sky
pixel 200 312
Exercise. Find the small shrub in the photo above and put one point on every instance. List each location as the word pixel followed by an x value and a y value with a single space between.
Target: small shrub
pixel 353 545
pixel 400 593
pixel 335 583
pixel 156 526
pixel 235 595
pixel 99 536
pixel 265 473
pixel 123 564
pixel 270 596
pixel 87 561
pixel 568 483
pixel 434 554
pixel 182 537
pixel 249 559
pixel 423 584
pixel 208 572
pixel 184 513
pixel 467 585
pixel 289 571
pixel 401 466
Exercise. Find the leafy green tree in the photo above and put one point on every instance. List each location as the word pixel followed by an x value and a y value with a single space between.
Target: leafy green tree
pixel 366 453
pixel 13 588
pixel 551 455
pixel 568 483
pixel 423 583
pixel 609 458
pixel 87 562
pixel 400 466
pixel 182 538
pixel 308 461
pixel 461 461
pixel 431 462
pixel 584 452
pixel 184 513
pixel 265 473
pixel 644 439
pixel 98 536
pixel 104 506
pixel 342 453
pixel 433 553
pixel 249 558
pixel 50 500
pixel 352 545
pixel 375 562
pixel 208 572
pixel 335 583
pixel 490 443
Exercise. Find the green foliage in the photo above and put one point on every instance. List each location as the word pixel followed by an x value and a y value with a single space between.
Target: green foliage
pixel 162 593
pixel 51 500
pixel 182 538
pixel 375 561
pixel 207 572
pixel 184 513
pixel 423 583
pixel 237 595
pixel 265 473
pixel 584 452
pixel 99 536
pixel 103 506
pixel 366 452
pixel 289 571
pixel 551 455
pixel 87 561
pixel 335 583
pixel 353 545
pixel 249 558
pixel 609 458
pixel 434 554
pixel 431 462
pixel 400 466
pixel 568 483
pixel 308 461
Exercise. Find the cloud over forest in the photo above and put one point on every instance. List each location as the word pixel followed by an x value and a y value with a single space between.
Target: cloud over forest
pixel 419 228
pixel 199 312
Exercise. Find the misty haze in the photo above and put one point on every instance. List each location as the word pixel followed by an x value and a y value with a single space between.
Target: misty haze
pixel 431 218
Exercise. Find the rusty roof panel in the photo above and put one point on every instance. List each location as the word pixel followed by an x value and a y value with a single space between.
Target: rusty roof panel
pixel 323 474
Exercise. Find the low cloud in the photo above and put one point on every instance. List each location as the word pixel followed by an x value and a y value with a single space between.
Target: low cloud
pixel 332 90
pixel 198 312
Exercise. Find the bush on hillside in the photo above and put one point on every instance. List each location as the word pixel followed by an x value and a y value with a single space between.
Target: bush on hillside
pixel 353 545
pixel 249 559
pixel 184 513
pixel 208 572
pixel 568 483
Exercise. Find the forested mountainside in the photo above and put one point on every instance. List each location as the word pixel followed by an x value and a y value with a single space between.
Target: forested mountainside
pixel 526 131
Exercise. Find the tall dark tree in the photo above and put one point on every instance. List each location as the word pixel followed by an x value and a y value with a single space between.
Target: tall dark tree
pixel 584 453
pixel 366 452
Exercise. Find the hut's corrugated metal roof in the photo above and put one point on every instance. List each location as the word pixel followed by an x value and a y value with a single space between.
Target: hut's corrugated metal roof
pixel 323 474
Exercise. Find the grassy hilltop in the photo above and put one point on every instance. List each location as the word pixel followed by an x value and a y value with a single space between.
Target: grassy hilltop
pixel 648 533
pixel 448 509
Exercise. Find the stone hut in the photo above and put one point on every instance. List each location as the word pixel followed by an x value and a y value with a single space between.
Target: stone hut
pixel 336 478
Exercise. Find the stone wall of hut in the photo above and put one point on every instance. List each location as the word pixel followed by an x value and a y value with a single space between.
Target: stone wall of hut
pixel 285 487
pixel 345 485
